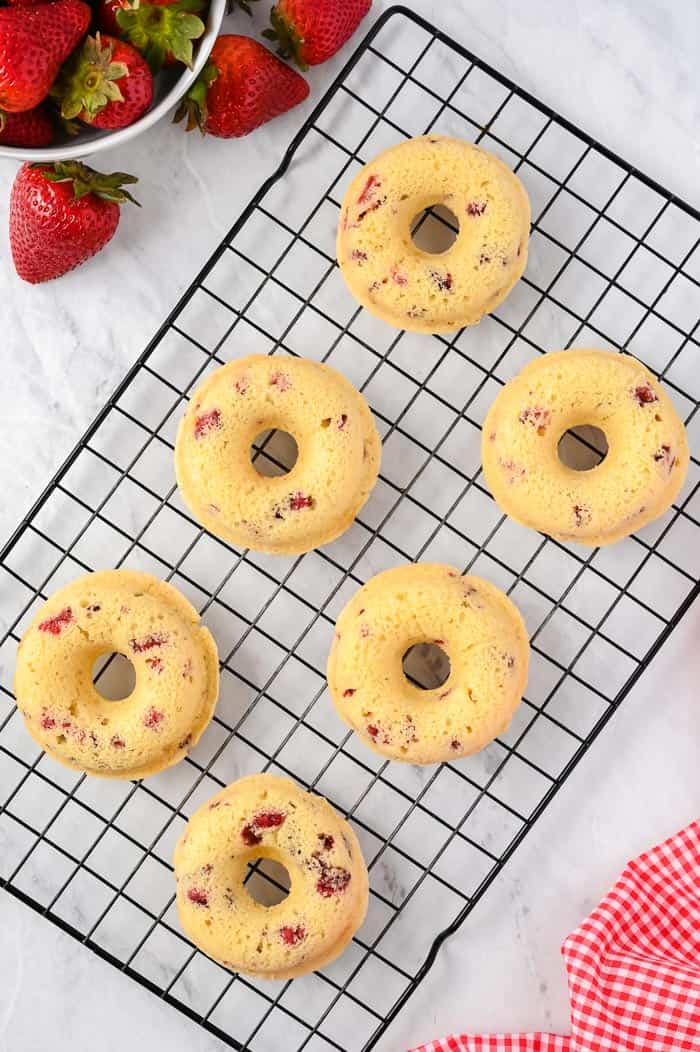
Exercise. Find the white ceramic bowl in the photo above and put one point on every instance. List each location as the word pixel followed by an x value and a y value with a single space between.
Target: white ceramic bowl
pixel 170 85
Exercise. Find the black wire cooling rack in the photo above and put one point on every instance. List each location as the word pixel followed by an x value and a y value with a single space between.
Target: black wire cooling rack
pixel 613 262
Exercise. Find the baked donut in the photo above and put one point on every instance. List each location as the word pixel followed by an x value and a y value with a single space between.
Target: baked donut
pixel 413 289
pixel 639 478
pixel 264 816
pixel 477 626
pixel 337 466
pixel 174 657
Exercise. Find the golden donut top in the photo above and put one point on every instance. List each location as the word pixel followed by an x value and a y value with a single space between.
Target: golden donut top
pixel 265 816
pixel 476 625
pixel 174 658
pixel 336 467
pixel 641 474
pixel 414 289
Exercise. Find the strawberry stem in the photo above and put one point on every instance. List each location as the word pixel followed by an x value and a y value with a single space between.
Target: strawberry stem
pixel 289 43
pixel 193 107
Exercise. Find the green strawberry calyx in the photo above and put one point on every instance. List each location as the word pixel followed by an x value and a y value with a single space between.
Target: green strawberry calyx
pixel 162 31
pixel 89 81
pixel 290 44
pixel 86 181
pixel 193 107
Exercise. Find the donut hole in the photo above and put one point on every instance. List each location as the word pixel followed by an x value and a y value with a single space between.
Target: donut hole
pixel 583 448
pixel 435 229
pixel 426 665
pixel 267 881
pixel 113 676
pixel 274 453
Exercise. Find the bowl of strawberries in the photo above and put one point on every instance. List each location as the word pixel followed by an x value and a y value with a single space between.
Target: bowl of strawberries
pixel 77 78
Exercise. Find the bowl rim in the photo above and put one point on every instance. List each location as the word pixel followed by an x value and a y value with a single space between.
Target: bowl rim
pixel 83 148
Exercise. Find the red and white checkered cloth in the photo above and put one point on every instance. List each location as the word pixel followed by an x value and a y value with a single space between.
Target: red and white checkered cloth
pixel 633 965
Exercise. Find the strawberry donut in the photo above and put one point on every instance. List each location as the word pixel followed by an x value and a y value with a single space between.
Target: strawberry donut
pixel 264 816
pixel 337 465
pixel 639 478
pixel 173 655
pixel 413 289
pixel 479 629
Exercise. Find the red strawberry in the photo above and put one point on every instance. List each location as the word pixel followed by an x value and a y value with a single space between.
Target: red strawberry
pixel 25 3
pixel 310 31
pixel 162 30
pixel 31 128
pixel 106 15
pixel 60 215
pixel 107 84
pixel 242 86
pixel 34 41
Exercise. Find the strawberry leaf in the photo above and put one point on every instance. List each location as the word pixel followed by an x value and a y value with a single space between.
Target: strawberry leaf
pixel 89 81
pixel 158 32
pixel 70 127
pixel 87 180
pixel 193 107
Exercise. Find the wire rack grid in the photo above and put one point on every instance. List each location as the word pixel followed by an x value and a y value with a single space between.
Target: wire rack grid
pixel 614 261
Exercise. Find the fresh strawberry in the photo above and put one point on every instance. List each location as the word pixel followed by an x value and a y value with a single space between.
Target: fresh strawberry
pixel 31 128
pixel 241 87
pixel 106 15
pixel 107 84
pixel 25 3
pixel 34 41
pixel 310 31
pixel 162 30
pixel 62 214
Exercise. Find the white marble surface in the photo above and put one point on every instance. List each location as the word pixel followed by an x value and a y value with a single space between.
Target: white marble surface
pixel 625 71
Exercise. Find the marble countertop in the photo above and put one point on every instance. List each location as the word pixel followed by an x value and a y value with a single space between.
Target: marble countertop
pixel 625 71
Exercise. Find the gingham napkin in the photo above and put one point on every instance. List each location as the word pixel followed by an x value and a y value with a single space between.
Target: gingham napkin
pixel 633 965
